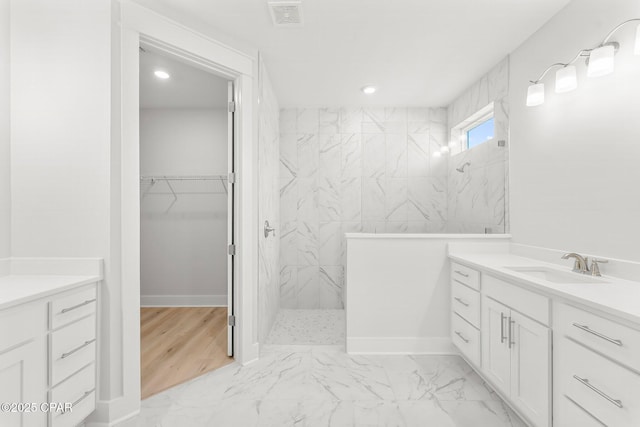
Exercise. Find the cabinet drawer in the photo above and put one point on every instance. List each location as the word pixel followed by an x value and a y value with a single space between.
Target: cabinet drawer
pixel 466 338
pixel 71 307
pixel 465 275
pixel 602 387
pixel 78 390
pixel 466 302
pixel 72 347
pixel 21 324
pixel 526 302
pixel 570 414
pixel 605 336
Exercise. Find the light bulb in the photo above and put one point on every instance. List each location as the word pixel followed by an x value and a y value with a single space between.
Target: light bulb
pixel 636 50
pixel 444 149
pixel 437 154
pixel 369 90
pixel 601 61
pixel 535 94
pixel 566 79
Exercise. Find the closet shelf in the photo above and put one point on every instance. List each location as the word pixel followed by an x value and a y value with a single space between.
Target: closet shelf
pixel 154 179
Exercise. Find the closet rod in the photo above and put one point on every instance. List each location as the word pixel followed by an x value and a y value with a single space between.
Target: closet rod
pixel 184 177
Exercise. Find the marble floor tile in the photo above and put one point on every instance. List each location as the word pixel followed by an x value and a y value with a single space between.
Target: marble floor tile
pixel 321 385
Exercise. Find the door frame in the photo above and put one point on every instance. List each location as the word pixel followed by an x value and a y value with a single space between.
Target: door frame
pixel 139 24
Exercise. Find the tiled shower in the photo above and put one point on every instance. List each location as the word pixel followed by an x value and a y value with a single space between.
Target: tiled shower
pixel 380 170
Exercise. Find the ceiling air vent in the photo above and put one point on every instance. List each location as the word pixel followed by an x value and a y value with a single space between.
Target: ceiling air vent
pixel 286 13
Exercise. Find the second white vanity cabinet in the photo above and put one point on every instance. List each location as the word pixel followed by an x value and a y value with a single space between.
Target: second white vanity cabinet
pixel 516 347
pixel 48 355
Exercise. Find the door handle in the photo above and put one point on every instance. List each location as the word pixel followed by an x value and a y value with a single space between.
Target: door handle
pixel 502 336
pixel 511 341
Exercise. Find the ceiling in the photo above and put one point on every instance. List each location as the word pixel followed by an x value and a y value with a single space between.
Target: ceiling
pixel 188 87
pixel 417 52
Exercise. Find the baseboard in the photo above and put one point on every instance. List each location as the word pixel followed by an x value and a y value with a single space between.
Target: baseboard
pixel 400 345
pixel 110 413
pixel 183 300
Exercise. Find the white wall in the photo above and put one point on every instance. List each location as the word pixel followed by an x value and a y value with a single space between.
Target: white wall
pixel 398 291
pixel 5 134
pixel 183 244
pixel 574 159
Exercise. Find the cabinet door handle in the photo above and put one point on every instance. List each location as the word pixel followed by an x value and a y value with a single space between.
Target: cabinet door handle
pixel 511 341
pixel 502 336
pixel 598 334
pixel 461 301
pixel 586 382
pixel 461 273
pixel 82 304
pixel 86 343
pixel 461 337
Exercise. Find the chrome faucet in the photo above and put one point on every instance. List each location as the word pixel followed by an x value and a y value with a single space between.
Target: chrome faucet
pixel 581 265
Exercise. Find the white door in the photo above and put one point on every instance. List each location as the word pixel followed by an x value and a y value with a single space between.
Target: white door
pixel 496 355
pixel 531 369
pixel 23 379
pixel 230 216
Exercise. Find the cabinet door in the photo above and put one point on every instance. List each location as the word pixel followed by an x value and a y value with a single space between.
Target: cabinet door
pixel 496 357
pixel 23 380
pixel 530 368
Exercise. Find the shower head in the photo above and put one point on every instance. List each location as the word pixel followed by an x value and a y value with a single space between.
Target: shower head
pixel 461 168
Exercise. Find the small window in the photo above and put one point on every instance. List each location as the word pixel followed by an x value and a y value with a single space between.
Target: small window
pixel 480 133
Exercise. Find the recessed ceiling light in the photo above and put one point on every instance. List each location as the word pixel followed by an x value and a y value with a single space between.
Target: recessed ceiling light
pixel 369 90
pixel 161 74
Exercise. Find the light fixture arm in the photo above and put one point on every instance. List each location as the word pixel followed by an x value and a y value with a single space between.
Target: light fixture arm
pixel 612 32
pixel 585 52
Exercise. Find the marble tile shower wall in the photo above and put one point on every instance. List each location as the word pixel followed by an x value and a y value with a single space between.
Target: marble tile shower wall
pixel 478 197
pixel 350 170
pixel 269 205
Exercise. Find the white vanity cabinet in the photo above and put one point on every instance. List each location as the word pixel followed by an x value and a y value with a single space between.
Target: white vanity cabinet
pixel 597 365
pixel 23 363
pixel 465 312
pixel 48 355
pixel 516 347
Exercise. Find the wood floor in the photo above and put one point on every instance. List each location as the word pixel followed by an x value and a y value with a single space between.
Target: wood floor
pixel 179 344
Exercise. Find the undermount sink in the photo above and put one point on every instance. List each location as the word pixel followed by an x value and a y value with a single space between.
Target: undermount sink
pixel 555 276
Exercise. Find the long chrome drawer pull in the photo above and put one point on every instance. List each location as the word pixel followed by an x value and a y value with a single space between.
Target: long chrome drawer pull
pixel 511 341
pixel 461 337
pixel 586 382
pixel 461 301
pixel 461 273
pixel 86 393
pixel 82 304
pixel 585 411
pixel 502 336
pixel 86 343
pixel 598 334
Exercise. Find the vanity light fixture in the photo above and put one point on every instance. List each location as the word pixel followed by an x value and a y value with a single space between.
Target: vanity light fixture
pixel 599 61
pixel 369 90
pixel 161 74
pixel 566 79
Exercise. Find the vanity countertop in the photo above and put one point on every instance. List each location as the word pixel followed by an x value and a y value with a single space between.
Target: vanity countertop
pixel 20 289
pixel 615 296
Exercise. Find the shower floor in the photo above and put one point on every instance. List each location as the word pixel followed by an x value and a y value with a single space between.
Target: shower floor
pixel 308 327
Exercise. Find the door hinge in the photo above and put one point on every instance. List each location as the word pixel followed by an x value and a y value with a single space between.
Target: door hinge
pixel 232 249
pixel 232 107
pixel 232 320
pixel 232 178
